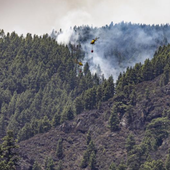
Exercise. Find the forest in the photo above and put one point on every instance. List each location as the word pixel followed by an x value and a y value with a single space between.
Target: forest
pixel 42 87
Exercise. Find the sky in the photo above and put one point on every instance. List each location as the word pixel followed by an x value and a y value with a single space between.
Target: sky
pixel 41 16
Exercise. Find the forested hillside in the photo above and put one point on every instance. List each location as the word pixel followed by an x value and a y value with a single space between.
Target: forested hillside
pixel 65 117
pixel 39 83
pixel 128 131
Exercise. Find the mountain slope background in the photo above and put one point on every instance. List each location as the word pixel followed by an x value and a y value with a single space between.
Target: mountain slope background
pixel 150 128
pixel 80 120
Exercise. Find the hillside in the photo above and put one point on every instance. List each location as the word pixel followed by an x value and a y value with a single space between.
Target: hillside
pixel 110 146
pixel 40 81
pixel 63 115
pixel 142 108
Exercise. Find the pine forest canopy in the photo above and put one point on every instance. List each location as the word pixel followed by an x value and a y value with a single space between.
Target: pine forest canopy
pixel 39 83
pixel 41 87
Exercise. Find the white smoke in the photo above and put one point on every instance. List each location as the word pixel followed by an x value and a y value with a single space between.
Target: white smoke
pixel 64 37
pixel 119 46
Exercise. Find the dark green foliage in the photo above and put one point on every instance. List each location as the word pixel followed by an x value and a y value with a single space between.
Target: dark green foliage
pixel 84 161
pixel 86 68
pixel 158 165
pixel 114 120
pixel 112 166
pixel 165 76
pixel 59 151
pixel 93 97
pixel 88 138
pixel 49 164
pixel 60 166
pixel 46 124
pixel 156 131
pixel 43 125
pixel 133 98
pixel 120 105
pixel 25 132
pixel 89 156
pixel 78 103
pixel 92 161
pixel 90 99
pixel 99 93
pixel 130 143
pixel 8 155
pixel 67 114
pixel 39 80
pixel 109 89
pixel 136 156
pixel 153 165
pixel 91 147
pixel 129 113
pixel 122 166
pixel 2 125
pixel 167 162
pixel 147 92
pixel 36 166
pixel 148 71
pixel 56 120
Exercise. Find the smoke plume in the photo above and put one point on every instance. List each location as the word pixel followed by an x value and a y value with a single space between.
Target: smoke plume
pixel 119 46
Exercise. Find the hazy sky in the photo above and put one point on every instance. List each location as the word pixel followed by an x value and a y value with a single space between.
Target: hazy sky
pixel 41 16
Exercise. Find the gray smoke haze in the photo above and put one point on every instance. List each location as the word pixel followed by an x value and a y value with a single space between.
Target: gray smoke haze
pixel 111 51
pixel 41 16
pixel 119 46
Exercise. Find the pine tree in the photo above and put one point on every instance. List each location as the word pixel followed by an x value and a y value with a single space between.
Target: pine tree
pixel 36 166
pixel 91 147
pixel 130 143
pixel 60 166
pixel 112 166
pixel 92 161
pixel 166 74
pixel 56 120
pixel 2 125
pixel 147 93
pixel 59 151
pixel 133 98
pixel 114 121
pixel 9 157
pixel 25 132
pixel 49 164
pixel 67 114
pixel 122 166
pixel 78 104
pixel 70 113
pixel 167 162
pixel 84 161
pixel 86 68
pixel 147 70
pixel 158 165
pixel 110 82
pixel 99 94
pixel 88 138
pixel 46 124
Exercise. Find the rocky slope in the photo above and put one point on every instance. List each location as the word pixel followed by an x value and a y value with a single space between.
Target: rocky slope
pixel 110 145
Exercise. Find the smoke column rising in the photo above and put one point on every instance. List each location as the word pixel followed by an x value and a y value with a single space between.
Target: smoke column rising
pixel 119 46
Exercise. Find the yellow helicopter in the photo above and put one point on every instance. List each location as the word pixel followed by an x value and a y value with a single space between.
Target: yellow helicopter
pixel 78 62
pixel 93 42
